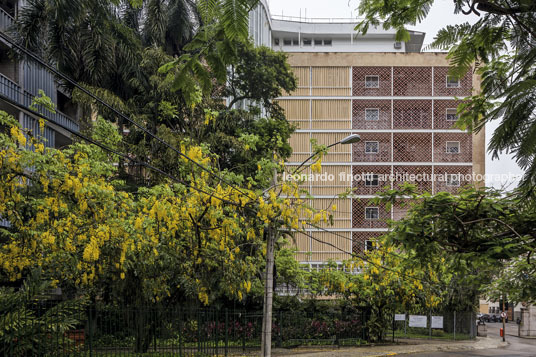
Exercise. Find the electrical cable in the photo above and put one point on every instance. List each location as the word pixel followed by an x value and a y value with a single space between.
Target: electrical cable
pixel 110 107
pixel 115 152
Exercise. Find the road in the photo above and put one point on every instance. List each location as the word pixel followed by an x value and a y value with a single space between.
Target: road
pixel 517 347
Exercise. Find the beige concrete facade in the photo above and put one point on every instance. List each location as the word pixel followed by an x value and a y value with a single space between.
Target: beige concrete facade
pixel 403 119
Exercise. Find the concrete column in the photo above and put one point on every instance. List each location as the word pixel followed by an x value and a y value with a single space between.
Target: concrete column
pixel 528 322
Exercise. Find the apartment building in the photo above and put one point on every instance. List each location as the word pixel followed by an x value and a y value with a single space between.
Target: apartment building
pixel 20 82
pixel 402 103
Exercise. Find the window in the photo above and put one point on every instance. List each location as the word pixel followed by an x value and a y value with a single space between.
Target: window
pixel 295 42
pixel 372 114
pixel 327 42
pixel 453 147
pixel 452 114
pixel 372 82
pixel 369 245
pixel 453 82
pixel 372 180
pixel 287 42
pixel 276 41
pixel 372 147
pixel 372 213
pixel 318 42
pixel 453 180
pixel 307 42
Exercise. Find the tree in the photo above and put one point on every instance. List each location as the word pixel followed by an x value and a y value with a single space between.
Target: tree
pixel 501 47
pixel 70 216
pixel 482 234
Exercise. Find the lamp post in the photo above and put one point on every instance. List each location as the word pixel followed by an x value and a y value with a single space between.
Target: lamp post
pixel 271 237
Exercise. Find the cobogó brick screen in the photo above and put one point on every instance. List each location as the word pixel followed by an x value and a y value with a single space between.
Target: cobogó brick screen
pixel 359 219
pixel 440 113
pixel 412 114
pixel 359 240
pixel 383 140
pixel 364 177
pixel 440 84
pixel 412 147
pixel 465 153
pixel 412 81
pixel 359 119
pixel 359 88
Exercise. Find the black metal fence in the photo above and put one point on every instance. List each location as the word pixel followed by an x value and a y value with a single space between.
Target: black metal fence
pixel 117 331
pixel 446 325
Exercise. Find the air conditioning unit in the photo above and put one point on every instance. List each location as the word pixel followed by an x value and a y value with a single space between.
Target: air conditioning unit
pixel 398 45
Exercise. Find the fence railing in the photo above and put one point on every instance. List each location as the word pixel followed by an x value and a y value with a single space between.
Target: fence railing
pixel 115 331
pixel 450 325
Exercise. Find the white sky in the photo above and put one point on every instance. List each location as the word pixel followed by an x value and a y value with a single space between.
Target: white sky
pixel 441 14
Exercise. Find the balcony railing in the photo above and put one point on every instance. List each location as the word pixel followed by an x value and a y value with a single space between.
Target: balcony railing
pixel 13 91
pixel 58 117
pixel 6 20
pixel 9 88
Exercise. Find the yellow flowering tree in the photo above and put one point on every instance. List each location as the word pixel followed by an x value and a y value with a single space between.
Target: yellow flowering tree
pixel 70 217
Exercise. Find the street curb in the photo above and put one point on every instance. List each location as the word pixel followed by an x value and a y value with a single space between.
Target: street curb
pixel 479 344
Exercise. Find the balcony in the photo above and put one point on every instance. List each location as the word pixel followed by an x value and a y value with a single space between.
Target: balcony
pixel 6 20
pixel 14 92
pixel 9 88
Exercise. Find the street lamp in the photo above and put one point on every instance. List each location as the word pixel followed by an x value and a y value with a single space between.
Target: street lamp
pixel 350 139
pixel 266 344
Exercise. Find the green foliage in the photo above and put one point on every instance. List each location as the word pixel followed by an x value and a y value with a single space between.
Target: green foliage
pixel 259 75
pixel 501 48
pixel 31 325
pixel 481 234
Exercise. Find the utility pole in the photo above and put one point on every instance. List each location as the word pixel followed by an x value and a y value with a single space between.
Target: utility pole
pixel 271 236
pixel 504 318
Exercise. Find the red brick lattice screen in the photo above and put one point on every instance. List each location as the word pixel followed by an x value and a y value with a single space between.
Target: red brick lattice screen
pixel 412 114
pixel 465 151
pixel 360 186
pixel 463 173
pixel 412 147
pixel 359 88
pixel 359 239
pixel 359 219
pixel 359 108
pixel 441 120
pixel 440 84
pixel 421 176
pixel 363 151
pixel 412 81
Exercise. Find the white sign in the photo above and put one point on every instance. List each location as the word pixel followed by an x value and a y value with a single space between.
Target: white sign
pixel 503 314
pixel 437 321
pixel 417 321
pixel 400 317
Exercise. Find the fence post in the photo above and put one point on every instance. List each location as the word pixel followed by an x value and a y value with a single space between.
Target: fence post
pixel 454 330
pixel 226 331
pixel 280 340
pixel 430 328
pixel 90 332
pixel 154 328
pixel 245 322
pixel 394 327
pixel 198 331
pixel 405 317
pixel 181 316
pixel 216 315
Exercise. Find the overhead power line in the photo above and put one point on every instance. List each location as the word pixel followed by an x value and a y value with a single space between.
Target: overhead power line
pixel 115 152
pixel 110 107
pixel 364 258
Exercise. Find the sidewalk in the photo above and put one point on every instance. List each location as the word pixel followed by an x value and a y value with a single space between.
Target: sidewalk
pixel 404 347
